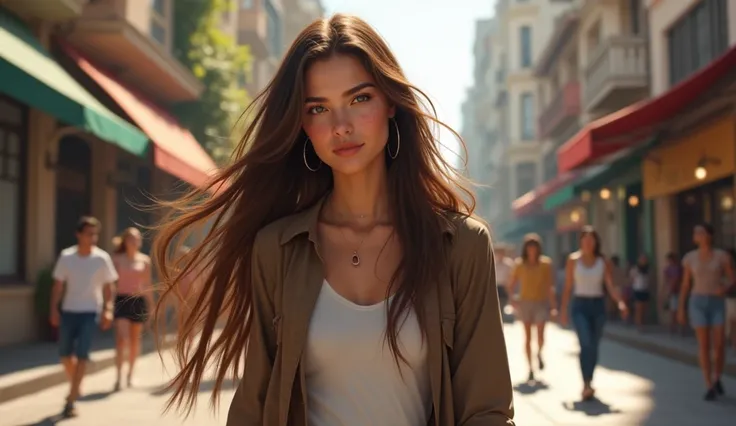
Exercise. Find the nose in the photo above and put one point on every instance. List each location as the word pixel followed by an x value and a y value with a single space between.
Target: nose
pixel 342 125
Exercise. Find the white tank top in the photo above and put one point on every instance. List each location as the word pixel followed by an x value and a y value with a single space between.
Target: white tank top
pixel 588 281
pixel 351 375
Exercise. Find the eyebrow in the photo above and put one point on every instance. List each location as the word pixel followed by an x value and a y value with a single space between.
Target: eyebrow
pixel 348 92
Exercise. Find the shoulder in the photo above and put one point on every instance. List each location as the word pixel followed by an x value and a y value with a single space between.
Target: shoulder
pixel 573 257
pixel 689 256
pixel 68 252
pixel 518 261
pixel 469 233
pixel 142 257
pixel 102 254
pixel 270 236
pixel 545 260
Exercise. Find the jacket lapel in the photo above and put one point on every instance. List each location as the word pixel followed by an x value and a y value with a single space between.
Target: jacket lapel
pixel 434 345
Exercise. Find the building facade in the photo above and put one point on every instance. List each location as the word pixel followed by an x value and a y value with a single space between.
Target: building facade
pixel 84 92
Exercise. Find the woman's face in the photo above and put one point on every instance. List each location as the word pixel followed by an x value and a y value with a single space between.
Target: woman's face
pixel 587 243
pixel 133 241
pixel 532 251
pixel 345 116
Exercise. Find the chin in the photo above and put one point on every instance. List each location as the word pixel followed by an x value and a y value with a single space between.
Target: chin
pixel 356 165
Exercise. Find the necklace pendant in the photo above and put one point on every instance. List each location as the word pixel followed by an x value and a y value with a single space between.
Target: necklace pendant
pixel 355 260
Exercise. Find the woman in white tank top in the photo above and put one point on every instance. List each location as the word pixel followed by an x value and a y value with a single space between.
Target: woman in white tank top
pixel 588 276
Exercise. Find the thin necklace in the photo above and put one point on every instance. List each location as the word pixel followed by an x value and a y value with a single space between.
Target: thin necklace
pixel 355 258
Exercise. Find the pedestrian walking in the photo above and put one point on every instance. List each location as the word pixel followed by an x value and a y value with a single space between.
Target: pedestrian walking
pixel 589 276
pixel 709 273
pixel 504 266
pixel 83 286
pixel 357 279
pixel 537 301
pixel 134 300
pixel 672 282
pixel 640 284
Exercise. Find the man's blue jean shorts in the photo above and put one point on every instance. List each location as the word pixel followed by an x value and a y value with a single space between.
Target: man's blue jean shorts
pixel 75 334
pixel 706 310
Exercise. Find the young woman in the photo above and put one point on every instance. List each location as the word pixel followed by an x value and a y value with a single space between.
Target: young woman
pixel 640 282
pixel 537 299
pixel 353 274
pixel 134 299
pixel 672 281
pixel 712 276
pixel 588 278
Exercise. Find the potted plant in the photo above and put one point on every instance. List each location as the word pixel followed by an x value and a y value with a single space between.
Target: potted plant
pixel 42 302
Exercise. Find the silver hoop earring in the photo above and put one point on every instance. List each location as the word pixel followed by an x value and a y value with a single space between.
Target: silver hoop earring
pixel 398 141
pixel 304 155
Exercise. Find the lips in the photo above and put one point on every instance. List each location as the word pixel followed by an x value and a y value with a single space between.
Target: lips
pixel 348 149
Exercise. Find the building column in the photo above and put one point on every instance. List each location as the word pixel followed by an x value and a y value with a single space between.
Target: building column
pixel 663 208
pixel 41 192
pixel 104 199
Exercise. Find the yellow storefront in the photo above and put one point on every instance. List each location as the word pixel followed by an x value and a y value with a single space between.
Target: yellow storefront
pixel 691 179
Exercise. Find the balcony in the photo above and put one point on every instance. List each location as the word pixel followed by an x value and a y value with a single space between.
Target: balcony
pixel 562 112
pixel 616 74
pixel 47 10
pixel 117 35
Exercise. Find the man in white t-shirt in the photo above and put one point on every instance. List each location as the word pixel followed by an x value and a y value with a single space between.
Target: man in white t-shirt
pixel 84 275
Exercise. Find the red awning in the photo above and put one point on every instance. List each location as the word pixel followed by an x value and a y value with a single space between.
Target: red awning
pixel 633 123
pixel 534 199
pixel 176 151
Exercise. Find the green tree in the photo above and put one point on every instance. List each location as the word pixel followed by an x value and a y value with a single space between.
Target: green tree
pixel 217 60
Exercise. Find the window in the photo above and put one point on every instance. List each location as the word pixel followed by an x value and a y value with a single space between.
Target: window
pixel 159 21
pixel 550 165
pixel 526 178
pixel 697 39
pixel 527 116
pixel 11 189
pixel 274 29
pixel 525 40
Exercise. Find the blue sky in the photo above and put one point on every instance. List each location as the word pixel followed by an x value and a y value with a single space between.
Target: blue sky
pixel 433 40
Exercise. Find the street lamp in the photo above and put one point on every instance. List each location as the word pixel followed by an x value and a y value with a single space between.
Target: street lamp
pixel 633 201
pixel 605 193
pixel 700 173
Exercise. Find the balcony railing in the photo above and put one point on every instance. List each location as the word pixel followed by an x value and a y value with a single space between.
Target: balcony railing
pixel 619 63
pixel 564 106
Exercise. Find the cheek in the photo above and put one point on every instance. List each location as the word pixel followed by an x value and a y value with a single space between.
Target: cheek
pixel 371 124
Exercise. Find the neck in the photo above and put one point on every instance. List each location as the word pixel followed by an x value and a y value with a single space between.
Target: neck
pixel 706 247
pixel 84 250
pixel 360 199
pixel 532 260
pixel 588 255
pixel 131 253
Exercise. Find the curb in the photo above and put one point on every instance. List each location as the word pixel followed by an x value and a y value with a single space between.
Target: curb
pixel 57 377
pixel 663 351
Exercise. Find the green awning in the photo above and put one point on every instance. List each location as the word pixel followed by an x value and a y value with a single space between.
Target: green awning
pixel 623 169
pixel 515 230
pixel 560 198
pixel 29 74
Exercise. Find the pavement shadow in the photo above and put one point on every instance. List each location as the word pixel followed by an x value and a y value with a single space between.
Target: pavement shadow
pixel 96 396
pixel 204 386
pixel 591 408
pixel 529 388
pixel 48 421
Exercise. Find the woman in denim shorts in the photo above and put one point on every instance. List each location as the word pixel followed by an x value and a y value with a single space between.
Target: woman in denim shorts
pixel 712 276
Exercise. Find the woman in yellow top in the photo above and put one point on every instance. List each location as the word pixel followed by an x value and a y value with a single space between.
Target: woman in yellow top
pixel 536 300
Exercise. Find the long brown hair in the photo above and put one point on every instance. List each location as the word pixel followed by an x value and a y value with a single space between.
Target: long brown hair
pixel 531 240
pixel 268 180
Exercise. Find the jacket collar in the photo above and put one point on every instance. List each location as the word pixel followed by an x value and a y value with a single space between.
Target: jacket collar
pixel 306 221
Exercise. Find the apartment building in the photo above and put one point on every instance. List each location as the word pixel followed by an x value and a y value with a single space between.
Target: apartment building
pixel 85 89
pixel 299 14
pixel 478 130
pixel 523 28
pixel 268 27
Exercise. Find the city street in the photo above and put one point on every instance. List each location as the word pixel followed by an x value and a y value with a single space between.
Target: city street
pixel 634 388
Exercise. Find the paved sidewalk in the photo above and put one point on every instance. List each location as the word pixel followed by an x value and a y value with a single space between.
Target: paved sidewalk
pixel 659 341
pixel 34 367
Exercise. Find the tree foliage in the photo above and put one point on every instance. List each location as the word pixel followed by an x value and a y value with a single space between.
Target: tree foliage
pixel 217 60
